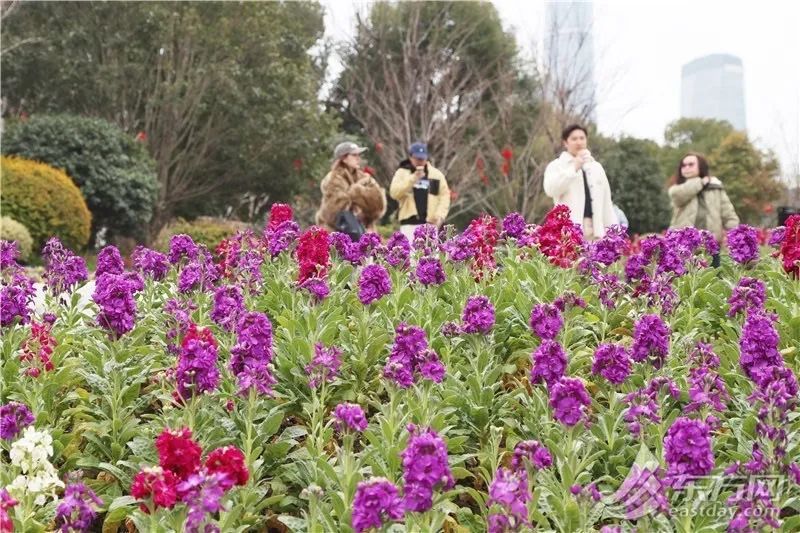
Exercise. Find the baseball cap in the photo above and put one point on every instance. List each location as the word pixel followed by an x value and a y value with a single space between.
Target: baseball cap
pixel 346 148
pixel 418 150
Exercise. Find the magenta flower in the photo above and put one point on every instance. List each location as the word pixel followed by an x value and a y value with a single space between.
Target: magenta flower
pixel 687 451
pixel 514 225
pixel 349 417
pixel 429 271
pixel 113 293
pixel 612 362
pixel 569 401
pixel 743 244
pixel 509 491
pixel 197 370
pixel 76 512
pixel 397 250
pixel 748 295
pixel 425 468
pixel 546 321
pixel 411 355
pixel 373 284
pixel 650 340
pixel 324 366
pixel 252 354
pixel 532 450
pixel 180 246
pixel 228 306
pixel 14 417
pixel 109 261
pixel 376 501
pixel 150 263
pixel 478 315
pixel 549 363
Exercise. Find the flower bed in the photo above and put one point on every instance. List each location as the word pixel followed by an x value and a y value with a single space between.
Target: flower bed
pixel 508 378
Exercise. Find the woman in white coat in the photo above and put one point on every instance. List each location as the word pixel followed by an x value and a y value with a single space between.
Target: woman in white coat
pixel 576 177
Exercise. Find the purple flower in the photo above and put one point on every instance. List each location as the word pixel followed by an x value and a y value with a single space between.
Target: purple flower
pixel 569 400
pixel 282 237
pixel 150 263
pixel 113 293
pixel 347 249
pixel 754 509
pixel 546 321
pixel 776 236
pixel 609 288
pixel 109 261
pixel 609 248
pixel 324 366
pixel 425 468
pixel 461 247
pixel 549 363
pixel 569 299
pixel 75 512
pixel 182 245
pixel 748 295
pixel 643 403
pixel 64 268
pixel 642 492
pixel 397 250
pixel 200 273
pixel 743 244
pixel 532 450
pixel 14 417
pixel 514 225
pixel 703 355
pixel 478 315
pixel 376 501
pixel 373 284
pixel 612 362
pixel 202 493
pixel 687 451
pixel 369 244
pixel 706 388
pixel 197 370
pixel 252 354
pixel 650 340
pixel 509 490
pixel 228 306
pixel 15 299
pixel 9 253
pixel 317 287
pixel 429 271
pixel 429 366
pixel 410 354
pixel 349 417
pixel 758 347
pixel 426 238
pixel 710 242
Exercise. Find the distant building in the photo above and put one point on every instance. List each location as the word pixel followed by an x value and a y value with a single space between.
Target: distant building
pixel 713 87
pixel 569 52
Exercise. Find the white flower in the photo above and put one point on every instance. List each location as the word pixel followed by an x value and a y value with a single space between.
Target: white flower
pixel 30 454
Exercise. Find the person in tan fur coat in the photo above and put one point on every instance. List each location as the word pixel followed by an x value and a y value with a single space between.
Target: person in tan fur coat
pixel 347 187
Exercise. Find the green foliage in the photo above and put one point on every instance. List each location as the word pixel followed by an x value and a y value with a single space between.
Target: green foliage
pixel 113 170
pixel 226 92
pixel 636 183
pixel 204 230
pixel 11 230
pixel 46 201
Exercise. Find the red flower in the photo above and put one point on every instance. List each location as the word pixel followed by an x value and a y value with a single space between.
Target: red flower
pixel 278 214
pixel 37 349
pixel 479 164
pixel 229 461
pixel 177 451
pixel 453 194
pixel 298 164
pixel 559 238
pixel 156 482
pixel 369 170
pixel 507 154
pixel 379 147
pixel 484 229
pixel 790 247
pixel 313 255
pixel 505 168
pixel 484 178
pixel 141 137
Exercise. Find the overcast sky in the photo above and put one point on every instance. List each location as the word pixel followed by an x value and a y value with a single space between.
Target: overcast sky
pixel 641 46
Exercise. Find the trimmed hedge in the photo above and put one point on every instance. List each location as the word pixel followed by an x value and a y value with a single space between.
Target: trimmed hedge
pixel 45 201
pixel 115 173
pixel 204 230
pixel 11 230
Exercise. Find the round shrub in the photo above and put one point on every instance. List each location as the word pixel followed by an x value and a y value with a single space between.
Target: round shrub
pixel 11 230
pixel 204 230
pixel 113 170
pixel 45 201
